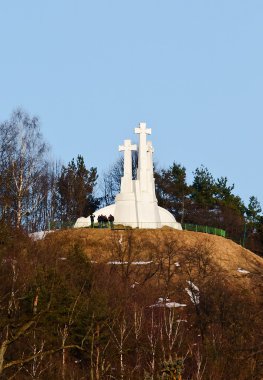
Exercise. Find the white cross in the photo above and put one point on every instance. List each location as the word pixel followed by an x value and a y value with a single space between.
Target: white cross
pixel 142 157
pixel 127 148
pixel 143 130
pixel 150 151
pixel 150 147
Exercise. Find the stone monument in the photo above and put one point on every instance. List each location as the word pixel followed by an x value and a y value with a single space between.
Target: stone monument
pixel 136 204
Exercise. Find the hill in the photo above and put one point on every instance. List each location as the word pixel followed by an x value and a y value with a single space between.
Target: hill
pixel 105 245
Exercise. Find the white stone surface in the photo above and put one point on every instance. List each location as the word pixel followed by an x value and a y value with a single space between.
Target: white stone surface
pixel 127 148
pixel 136 204
pixel 85 222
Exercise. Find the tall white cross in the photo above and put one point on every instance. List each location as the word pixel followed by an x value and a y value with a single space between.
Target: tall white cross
pixel 142 161
pixel 143 131
pixel 127 148
pixel 150 151
pixel 150 147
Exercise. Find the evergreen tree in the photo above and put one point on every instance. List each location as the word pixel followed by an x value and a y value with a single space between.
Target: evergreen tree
pixel 203 187
pixel 230 208
pixel 214 204
pixel 253 210
pixel 75 190
pixel 222 191
pixel 172 190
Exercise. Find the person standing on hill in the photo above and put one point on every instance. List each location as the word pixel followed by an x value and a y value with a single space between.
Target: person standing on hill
pixel 92 221
pixel 100 221
pixel 111 220
pixel 105 221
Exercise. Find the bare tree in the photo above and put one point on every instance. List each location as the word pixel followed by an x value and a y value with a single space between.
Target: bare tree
pixel 120 335
pixel 24 164
pixel 153 337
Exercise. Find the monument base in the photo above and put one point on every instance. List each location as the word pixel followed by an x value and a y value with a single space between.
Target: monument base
pixel 166 219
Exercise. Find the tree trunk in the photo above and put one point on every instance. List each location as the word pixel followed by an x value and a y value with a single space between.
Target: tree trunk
pixel 3 349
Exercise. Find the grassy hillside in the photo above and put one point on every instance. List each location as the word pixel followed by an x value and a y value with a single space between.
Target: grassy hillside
pixel 104 245
pixel 98 242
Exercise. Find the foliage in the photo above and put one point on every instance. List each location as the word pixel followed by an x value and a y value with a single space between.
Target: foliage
pixel 206 201
pixel 253 210
pixel 172 369
pixel 172 190
pixel 35 192
pixel 75 190
pixel 203 187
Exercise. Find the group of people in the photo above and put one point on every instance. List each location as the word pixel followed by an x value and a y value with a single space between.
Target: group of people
pixel 103 220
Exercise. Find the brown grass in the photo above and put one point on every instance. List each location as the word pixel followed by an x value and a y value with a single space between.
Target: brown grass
pixel 226 254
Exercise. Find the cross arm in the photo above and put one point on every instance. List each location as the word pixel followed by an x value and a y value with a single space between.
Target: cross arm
pixel 143 129
pixel 148 131
pixel 127 146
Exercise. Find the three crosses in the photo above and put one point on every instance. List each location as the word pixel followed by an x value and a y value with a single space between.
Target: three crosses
pixel 128 147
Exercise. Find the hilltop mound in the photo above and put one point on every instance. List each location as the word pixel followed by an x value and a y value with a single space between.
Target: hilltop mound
pixel 239 265
pixel 98 245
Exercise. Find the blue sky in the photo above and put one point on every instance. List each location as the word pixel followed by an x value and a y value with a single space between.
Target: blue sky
pixel 92 70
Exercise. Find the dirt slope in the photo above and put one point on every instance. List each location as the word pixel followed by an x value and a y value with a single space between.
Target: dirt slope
pixel 98 244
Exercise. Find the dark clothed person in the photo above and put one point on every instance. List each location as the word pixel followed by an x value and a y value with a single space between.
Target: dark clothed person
pixel 100 220
pixel 111 220
pixel 105 221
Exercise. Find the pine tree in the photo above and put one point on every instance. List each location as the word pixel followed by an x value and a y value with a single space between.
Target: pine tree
pixel 172 190
pixel 75 190
pixel 253 210
pixel 203 187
